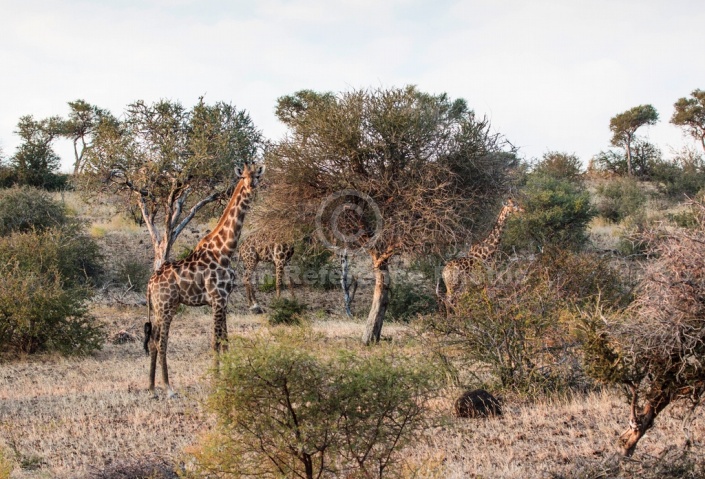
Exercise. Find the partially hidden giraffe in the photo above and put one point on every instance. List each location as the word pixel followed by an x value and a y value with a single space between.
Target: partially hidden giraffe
pixel 204 277
pixel 258 247
pixel 457 271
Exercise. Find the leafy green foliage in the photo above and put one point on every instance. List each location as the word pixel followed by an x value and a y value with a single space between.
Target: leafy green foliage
pixel 169 161
pixel 38 313
pixel 369 166
pixel 683 176
pixel 132 271
pixel 624 125
pixel 35 163
pixel 286 408
pixel 646 160
pixel 503 325
pixel 8 178
pixel 25 209
pixel 580 277
pixel 556 213
pixel 45 281
pixel 690 115
pixel 268 284
pixel 286 311
pixel 407 300
pixel 514 322
pixel 315 261
pixel 620 198
pixel 562 166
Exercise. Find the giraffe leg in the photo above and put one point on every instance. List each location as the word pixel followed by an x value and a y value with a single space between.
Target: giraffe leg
pixel 162 347
pixel 247 278
pixel 291 288
pixel 279 274
pixel 152 345
pixel 250 290
pixel 220 328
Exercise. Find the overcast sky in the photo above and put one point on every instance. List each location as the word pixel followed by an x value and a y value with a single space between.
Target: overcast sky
pixel 548 74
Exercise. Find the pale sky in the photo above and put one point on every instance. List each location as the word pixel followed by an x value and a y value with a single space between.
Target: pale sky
pixel 548 74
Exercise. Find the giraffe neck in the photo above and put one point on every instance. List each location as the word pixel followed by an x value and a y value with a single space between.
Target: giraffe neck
pixel 224 237
pixel 489 246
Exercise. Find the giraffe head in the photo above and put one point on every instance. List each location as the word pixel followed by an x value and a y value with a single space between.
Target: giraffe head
pixel 512 206
pixel 249 174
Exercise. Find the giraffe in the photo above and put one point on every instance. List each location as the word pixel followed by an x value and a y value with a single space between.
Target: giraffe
pixel 203 278
pixel 456 271
pixel 260 246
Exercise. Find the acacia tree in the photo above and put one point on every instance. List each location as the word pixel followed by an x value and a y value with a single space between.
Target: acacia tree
pixel 690 115
pixel 170 161
pixel 391 172
pixel 80 127
pixel 655 347
pixel 35 162
pixel 624 125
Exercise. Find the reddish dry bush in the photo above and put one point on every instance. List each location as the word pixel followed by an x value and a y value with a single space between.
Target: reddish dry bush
pixel 655 347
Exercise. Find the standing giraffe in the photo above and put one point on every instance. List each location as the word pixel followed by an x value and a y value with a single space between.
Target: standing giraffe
pixel 204 277
pixel 456 271
pixel 262 247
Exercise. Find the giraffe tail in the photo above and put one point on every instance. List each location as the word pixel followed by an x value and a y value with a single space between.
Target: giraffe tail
pixel 148 325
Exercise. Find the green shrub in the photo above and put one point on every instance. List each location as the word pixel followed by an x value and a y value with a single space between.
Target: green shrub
pixel 44 285
pixel 316 261
pixel 287 408
pixel 407 300
pixel 560 166
pixel 620 198
pixel 286 311
pixel 684 176
pixel 268 284
pixel 26 209
pixel 556 212
pixel 511 328
pixel 684 219
pixel 66 249
pixel 645 159
pixel 39 313
pixel 184 253
pixel 581 277
pixel 7 176
pixel 132 271
pixel 430 267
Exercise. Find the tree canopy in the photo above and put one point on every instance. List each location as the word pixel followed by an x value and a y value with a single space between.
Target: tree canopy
pixel 35 163
pixel 690 115
pixel 624 125
pixel 170 161
pixel 79 127
pixel 393 171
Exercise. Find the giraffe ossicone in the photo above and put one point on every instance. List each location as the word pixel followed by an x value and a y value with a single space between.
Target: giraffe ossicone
pixel 204 277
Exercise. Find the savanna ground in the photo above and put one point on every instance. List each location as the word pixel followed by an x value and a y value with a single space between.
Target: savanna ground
pixel 93 418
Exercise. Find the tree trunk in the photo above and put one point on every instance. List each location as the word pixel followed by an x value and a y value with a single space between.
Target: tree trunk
pixel 640 423
pixel 380 300
pixel 348 297
pixel 629 156
pixel 161 252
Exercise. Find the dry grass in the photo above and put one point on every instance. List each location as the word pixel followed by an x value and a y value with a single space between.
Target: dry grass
pixel 92 417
